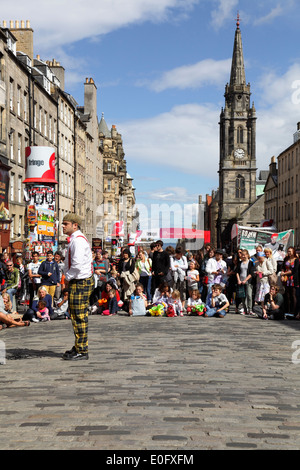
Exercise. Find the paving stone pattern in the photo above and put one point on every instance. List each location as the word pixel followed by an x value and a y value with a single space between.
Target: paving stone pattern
pixel 152 383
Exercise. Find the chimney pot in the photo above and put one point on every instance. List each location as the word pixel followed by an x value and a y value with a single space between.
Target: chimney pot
pixel 11 24
pixel 17 24
pixel 27 24
pixel 22 24
pixel 4 24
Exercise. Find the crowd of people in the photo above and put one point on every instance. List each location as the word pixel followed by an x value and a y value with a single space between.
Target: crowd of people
pixel 157 282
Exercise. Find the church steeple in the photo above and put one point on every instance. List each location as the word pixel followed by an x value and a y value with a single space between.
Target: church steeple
pixel 238 76
pixel 237 164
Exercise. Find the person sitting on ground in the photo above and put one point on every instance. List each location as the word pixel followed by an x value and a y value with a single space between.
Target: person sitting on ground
pixel 60 310
pixel 175 302
pixel 162 294
pixel 31 313
pixel 12 278
pixel 194 301
pixel 112 304
pixel 7 320
pixel 101 304
pixel 216 303
pixel 273 306
pixel 42 311
pixel 138 307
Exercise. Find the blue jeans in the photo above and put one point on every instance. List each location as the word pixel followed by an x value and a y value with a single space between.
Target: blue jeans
pixel 11 293
pixel 146 281
pixel 212 311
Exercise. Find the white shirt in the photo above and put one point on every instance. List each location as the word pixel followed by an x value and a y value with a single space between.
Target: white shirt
pixel 78 261
pixel 34 267
pixel 212 266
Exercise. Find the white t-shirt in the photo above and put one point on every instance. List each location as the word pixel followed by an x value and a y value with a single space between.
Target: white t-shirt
pixel 191 277
pixel 34 267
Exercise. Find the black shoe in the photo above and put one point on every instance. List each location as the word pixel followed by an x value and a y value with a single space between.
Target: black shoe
pixel 75 356
pixel 67 353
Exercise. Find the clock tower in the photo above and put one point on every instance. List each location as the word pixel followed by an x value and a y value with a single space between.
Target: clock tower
pixel 237 166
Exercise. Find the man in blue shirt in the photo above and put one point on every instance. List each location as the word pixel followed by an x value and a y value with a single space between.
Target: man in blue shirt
pixel 49 270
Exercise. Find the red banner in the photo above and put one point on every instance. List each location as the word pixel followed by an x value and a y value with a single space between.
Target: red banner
pixel 188 233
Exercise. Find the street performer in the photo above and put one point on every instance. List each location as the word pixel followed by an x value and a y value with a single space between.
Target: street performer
pixel 79 280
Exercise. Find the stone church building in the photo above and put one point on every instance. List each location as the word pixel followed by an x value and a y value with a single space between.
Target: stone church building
pixel 239 198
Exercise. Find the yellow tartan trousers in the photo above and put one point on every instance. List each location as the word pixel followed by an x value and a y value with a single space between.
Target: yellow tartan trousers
pixel 79 301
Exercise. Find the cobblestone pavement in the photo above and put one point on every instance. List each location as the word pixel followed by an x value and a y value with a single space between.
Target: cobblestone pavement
pixel 183 383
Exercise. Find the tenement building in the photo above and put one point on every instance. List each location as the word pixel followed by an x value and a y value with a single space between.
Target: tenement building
pixel 282 193
pixel 35 110
pixel 119 192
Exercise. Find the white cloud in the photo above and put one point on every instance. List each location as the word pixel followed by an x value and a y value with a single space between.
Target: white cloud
pixel 274 13
pixel 223 12
pixel 278 114
pixel 205 72
pixel 62 22
pixel 185 138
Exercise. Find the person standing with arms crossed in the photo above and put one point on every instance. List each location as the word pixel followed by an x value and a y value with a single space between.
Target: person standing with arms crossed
pixel 80 281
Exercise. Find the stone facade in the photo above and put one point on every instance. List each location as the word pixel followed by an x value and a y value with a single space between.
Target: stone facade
pixel 288 188
pixel 35 109
pixel 119 192
pixel 237 199
pixel 237 166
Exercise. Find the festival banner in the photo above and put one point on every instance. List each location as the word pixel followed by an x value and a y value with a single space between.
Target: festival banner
pixel 250 238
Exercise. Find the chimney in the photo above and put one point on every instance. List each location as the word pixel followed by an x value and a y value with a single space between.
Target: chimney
pixel 59 72
pixel 24 37
pixel 273 167
pixel 90 105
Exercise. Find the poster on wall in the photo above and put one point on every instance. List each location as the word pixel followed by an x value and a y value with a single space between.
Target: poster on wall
pixel 4 188
pixel 41 219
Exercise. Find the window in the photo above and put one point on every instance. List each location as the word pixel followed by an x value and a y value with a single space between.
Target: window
pixel 19 188
pixel 19 100
pixel 11 94
pixel 2 132
pixel 54 131
pixel 12 186
pixel 25 107
pixel 240 135
pixel 19 148
pixel 20 231
pixel 108 185
pixel 11 145
pixel 240 187
pixel 40 119
pixel 108 166
pixel 45 123
pixel 34 115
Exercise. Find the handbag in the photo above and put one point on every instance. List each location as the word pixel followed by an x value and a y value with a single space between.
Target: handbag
pixel 272 278
pixel 240 291
pixel 138 306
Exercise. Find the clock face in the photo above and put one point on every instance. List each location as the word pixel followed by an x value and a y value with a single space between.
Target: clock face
pixel 239 153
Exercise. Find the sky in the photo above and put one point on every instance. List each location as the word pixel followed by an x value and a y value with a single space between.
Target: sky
pixel 160 67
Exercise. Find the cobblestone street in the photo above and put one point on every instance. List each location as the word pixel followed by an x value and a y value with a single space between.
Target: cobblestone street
pixel 152 384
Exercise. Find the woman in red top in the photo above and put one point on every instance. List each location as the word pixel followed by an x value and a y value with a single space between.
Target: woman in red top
pixel 105 293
